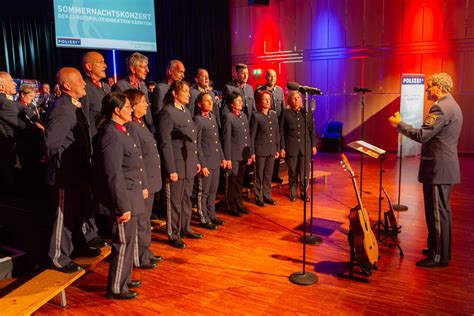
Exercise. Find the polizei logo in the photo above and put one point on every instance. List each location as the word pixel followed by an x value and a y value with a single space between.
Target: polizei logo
pixel 413 80
pixel 69 41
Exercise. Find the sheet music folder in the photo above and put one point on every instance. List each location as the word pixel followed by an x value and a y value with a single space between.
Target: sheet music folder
pixel 367 149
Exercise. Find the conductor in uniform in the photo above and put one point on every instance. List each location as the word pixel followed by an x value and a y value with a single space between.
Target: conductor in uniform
pixel 439 164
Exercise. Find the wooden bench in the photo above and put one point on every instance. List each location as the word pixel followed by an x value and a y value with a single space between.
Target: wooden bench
pixel 316 174
pixel 38 291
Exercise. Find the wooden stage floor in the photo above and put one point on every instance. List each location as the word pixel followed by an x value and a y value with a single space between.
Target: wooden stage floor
pixel 243 267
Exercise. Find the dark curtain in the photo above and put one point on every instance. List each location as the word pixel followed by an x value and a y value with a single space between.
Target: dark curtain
pixel 194 31
pixel 28 48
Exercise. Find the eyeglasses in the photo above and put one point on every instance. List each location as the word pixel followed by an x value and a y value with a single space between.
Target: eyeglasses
pixel 143 67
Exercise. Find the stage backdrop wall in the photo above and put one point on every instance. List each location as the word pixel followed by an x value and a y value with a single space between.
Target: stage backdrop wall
pixel 336 45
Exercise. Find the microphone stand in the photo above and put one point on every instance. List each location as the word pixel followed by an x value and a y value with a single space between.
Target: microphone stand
pixel 311 239
pixel 362 120
pixel 304 277
pixel 400 207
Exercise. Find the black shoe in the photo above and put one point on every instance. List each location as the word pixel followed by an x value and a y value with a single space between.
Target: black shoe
pixel 192 235
pixel 218 222
pixel 156 259
pixel 425 252
pixel 270 201
pixel 123 296
pixel 277 180
pixel 178 243
pixel 234 213
pixel 428 263
pixel 87 252
pixel 150 265
pixel 134 284
pixel 259 203
pixel 97 243
pixel 292 199
pixel 71 267
pixel 244 211
pixel 209 225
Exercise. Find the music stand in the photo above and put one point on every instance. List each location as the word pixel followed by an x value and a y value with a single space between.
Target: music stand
pixel 379 154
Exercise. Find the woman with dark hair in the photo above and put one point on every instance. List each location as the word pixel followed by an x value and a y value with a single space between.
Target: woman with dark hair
pixel 143 256
pixel 264 133
pixel 121 188
pixel 177 138
pixel 237 151
pixel 213 160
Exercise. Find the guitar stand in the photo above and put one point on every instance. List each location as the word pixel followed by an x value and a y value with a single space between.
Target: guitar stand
pixel 388 233
pixel 379 222
pixel 364 270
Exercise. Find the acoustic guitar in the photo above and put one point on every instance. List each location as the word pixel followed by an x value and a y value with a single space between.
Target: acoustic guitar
pixel 391 224
pixel 364 242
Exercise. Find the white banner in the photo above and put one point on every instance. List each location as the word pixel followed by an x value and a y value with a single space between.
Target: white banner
pixel 411 109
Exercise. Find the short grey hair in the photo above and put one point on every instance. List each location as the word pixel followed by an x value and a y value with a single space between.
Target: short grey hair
pixel 3 77
pixel 136 58
pixel 442 80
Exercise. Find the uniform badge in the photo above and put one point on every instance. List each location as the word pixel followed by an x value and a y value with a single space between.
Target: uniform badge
pixel 430 119
pixel 76 103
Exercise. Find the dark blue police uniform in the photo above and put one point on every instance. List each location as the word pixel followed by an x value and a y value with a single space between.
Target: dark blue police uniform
pixel 119 187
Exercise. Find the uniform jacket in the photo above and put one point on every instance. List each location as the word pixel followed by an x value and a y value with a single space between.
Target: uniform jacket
pixel 439 136
pixel 292 133
pixel 265 134
pixel 177 140
pixel 119 170
pixel 157 102
pixel 209 141
pixel 68 144
pixel 236 140
pixel 151 157
pixel 8 117
pixel 92 101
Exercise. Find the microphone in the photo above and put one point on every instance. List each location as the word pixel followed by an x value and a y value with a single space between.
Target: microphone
pixel 303 89
pixel 363 90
